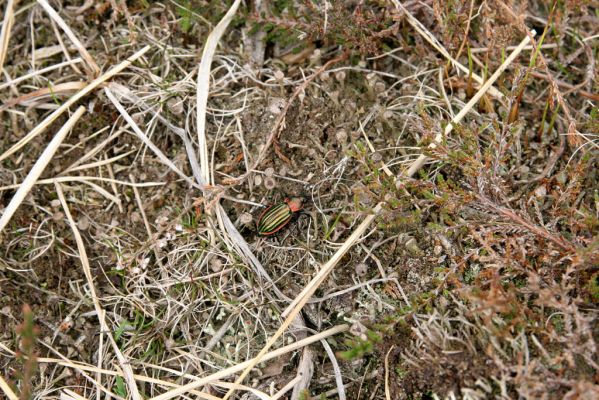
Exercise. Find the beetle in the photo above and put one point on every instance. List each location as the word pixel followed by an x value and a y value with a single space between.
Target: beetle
pixel 277 216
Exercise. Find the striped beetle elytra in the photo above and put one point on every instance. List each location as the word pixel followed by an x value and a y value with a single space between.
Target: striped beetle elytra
pixel 276 216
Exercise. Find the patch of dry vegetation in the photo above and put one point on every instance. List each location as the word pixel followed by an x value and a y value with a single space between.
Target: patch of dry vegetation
pixel 435 259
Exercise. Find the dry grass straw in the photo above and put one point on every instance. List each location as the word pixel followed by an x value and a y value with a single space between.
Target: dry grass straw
pixel 65 106
pixel 92 66
pixel 296 306
pixel 38 168
pixel 52 91
pixel 42 71
pixel 203 85
pixel 10 395
pixel 124 363
pixel 9 19
pixel 78 366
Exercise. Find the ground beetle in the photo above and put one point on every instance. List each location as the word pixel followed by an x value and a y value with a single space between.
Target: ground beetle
pixel 277 216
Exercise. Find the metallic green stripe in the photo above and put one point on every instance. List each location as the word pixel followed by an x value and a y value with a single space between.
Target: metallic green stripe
pixel 274 218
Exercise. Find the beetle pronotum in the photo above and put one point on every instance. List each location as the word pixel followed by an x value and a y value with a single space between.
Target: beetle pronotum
pixel 277 216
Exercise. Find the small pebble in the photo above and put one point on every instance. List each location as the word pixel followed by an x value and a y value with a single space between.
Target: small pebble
pixel 175 105
pixel 58 216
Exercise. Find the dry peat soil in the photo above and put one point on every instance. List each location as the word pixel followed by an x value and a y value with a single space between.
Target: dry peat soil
pixel 477 278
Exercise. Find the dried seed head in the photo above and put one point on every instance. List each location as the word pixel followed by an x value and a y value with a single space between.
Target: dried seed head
pixel 376 157
pixel 270 171
pixel 257 180
pixel 269 183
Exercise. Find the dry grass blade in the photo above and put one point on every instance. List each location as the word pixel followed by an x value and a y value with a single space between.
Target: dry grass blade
pixel 85 91
pixel 52 91
pixel 144 138
pixel 84 179
pixel 203 85
pixel 9 19
pixel 473 101
pixel 41 72
pixel 240 367
pixel 387 391
pixel 124 363
pixel 10 395
pixel 93 68
pixel 286 388
pixel 336 370
pixel 38 168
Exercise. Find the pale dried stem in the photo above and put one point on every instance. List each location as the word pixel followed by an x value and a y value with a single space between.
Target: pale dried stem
pixel 65 106
pixel 83 179
pixel 286 388
pixel 51 91
pixel 10 395
pixel 123 362
pixel 38 168
pixel 41 72
pixel 93 68
pixel 197 382
pixel 9 19
pixel 387 390
pixel 203 88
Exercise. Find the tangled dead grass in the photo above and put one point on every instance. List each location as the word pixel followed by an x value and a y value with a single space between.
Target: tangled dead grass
pixel 448 247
